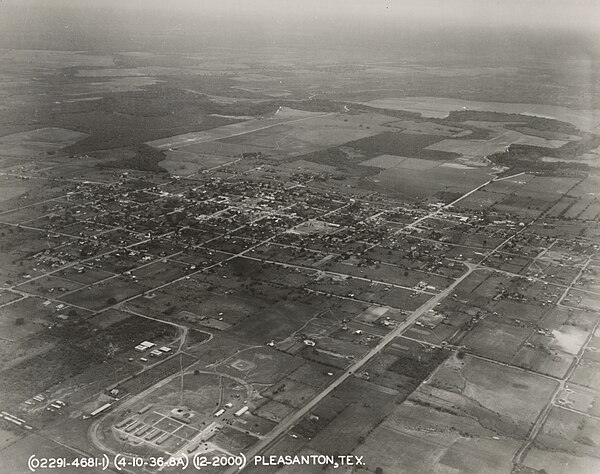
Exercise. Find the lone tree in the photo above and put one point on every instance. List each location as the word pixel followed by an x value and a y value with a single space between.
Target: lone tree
pixel 20 321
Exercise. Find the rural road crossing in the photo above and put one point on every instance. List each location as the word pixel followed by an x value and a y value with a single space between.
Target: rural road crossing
pixel 293 418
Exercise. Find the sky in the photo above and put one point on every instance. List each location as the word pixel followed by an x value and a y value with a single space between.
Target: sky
pixel 114 24
pixel 581 14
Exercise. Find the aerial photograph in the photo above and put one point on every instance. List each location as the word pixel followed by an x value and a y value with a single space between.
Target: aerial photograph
pixel 300 236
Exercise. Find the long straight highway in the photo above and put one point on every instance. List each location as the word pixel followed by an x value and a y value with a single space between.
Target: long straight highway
pixel 294 418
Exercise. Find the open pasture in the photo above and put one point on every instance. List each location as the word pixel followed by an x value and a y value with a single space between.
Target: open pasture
pixel 411 450
pixel 588 187
pixel 483 148
pixel 400 162
pixel 466 147
pixel 514 396
pixel 587 374
pixel 185 162
pixel 526 206
pixel 552 185
pixel 470 417
pixel 233 130
pixel 428 128
pixel 482 199
pixel 38 143
pixel 215 148
pixel 417 184
pixel 566 441
pixel 299 137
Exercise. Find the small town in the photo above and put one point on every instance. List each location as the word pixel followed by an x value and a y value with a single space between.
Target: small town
pixel 224 248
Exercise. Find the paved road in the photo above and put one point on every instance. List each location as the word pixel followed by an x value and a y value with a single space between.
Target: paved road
pixel 456 201
pixel 292 419
pixel 521 454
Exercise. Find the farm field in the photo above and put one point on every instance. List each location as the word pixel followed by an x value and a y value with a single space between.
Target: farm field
pixel 419 184
pixel 364 241
pixel 476 148
pixel 565 440
pixel 228 131
pixel 401 162
pixel 38 143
